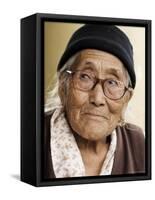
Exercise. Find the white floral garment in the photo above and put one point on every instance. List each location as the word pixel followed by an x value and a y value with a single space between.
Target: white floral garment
pixel 66 156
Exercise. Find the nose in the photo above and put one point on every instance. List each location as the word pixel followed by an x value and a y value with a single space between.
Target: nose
pixel 96 96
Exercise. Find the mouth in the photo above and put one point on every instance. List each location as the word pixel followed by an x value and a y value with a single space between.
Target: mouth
pixel 96 115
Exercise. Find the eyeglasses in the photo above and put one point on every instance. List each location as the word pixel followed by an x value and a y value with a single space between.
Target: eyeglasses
pixel 86 81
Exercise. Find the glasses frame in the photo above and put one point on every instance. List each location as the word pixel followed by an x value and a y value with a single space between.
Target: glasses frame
pixel 98 80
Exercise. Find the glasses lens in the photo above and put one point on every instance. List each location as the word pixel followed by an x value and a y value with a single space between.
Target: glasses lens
pixel 83 80
pixel 113 89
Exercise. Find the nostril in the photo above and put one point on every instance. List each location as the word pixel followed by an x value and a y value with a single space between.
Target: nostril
pixel 97 104
pixel 96 96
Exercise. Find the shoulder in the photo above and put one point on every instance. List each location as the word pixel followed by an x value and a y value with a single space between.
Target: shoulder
pixel 131 138
pixel 131 131
pixel 47 162
pixel 130 150
pixel 133 128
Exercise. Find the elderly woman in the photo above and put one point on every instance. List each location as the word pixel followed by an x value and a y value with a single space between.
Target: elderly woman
pixel 85 132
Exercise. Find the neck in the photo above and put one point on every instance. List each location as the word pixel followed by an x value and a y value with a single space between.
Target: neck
pixel 86 145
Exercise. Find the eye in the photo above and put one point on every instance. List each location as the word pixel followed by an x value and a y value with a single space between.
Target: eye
pixel 112 82
pixel 84 76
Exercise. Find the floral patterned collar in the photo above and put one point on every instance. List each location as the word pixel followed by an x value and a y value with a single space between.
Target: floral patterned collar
pixel 66 156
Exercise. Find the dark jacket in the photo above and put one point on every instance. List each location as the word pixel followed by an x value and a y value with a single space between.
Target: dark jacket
pixel 129 155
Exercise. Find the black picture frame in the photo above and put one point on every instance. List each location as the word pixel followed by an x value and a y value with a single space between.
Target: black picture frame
pixel 32 98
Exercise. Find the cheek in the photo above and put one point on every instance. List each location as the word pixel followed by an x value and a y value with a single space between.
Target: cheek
pixel 75 102
pixel 116 109
pixel 77 98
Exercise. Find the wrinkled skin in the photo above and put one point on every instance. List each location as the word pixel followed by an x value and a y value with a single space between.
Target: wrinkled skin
pixel 91 114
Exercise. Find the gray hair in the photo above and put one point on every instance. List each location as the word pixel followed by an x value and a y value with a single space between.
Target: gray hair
pixel 60 80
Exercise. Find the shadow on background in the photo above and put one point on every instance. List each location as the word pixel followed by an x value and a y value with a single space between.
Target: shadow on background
pixel 16 176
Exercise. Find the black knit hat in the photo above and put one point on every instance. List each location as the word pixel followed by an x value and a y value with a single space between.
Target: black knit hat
pixel 102 37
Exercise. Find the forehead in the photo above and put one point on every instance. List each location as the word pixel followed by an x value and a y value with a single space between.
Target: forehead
pixel 100 61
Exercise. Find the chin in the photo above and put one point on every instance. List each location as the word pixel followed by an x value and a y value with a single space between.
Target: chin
pixel 94 136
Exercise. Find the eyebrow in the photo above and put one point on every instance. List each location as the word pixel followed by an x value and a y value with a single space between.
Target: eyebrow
pixel 114 71
pixel 90 66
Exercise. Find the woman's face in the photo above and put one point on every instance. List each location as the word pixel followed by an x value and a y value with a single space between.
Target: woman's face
pixel 90 113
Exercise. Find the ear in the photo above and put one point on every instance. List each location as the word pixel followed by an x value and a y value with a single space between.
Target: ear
pixel 129 94
pixel 127 98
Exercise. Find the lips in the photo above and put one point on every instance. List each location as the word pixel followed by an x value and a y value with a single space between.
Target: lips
pixel 94 114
